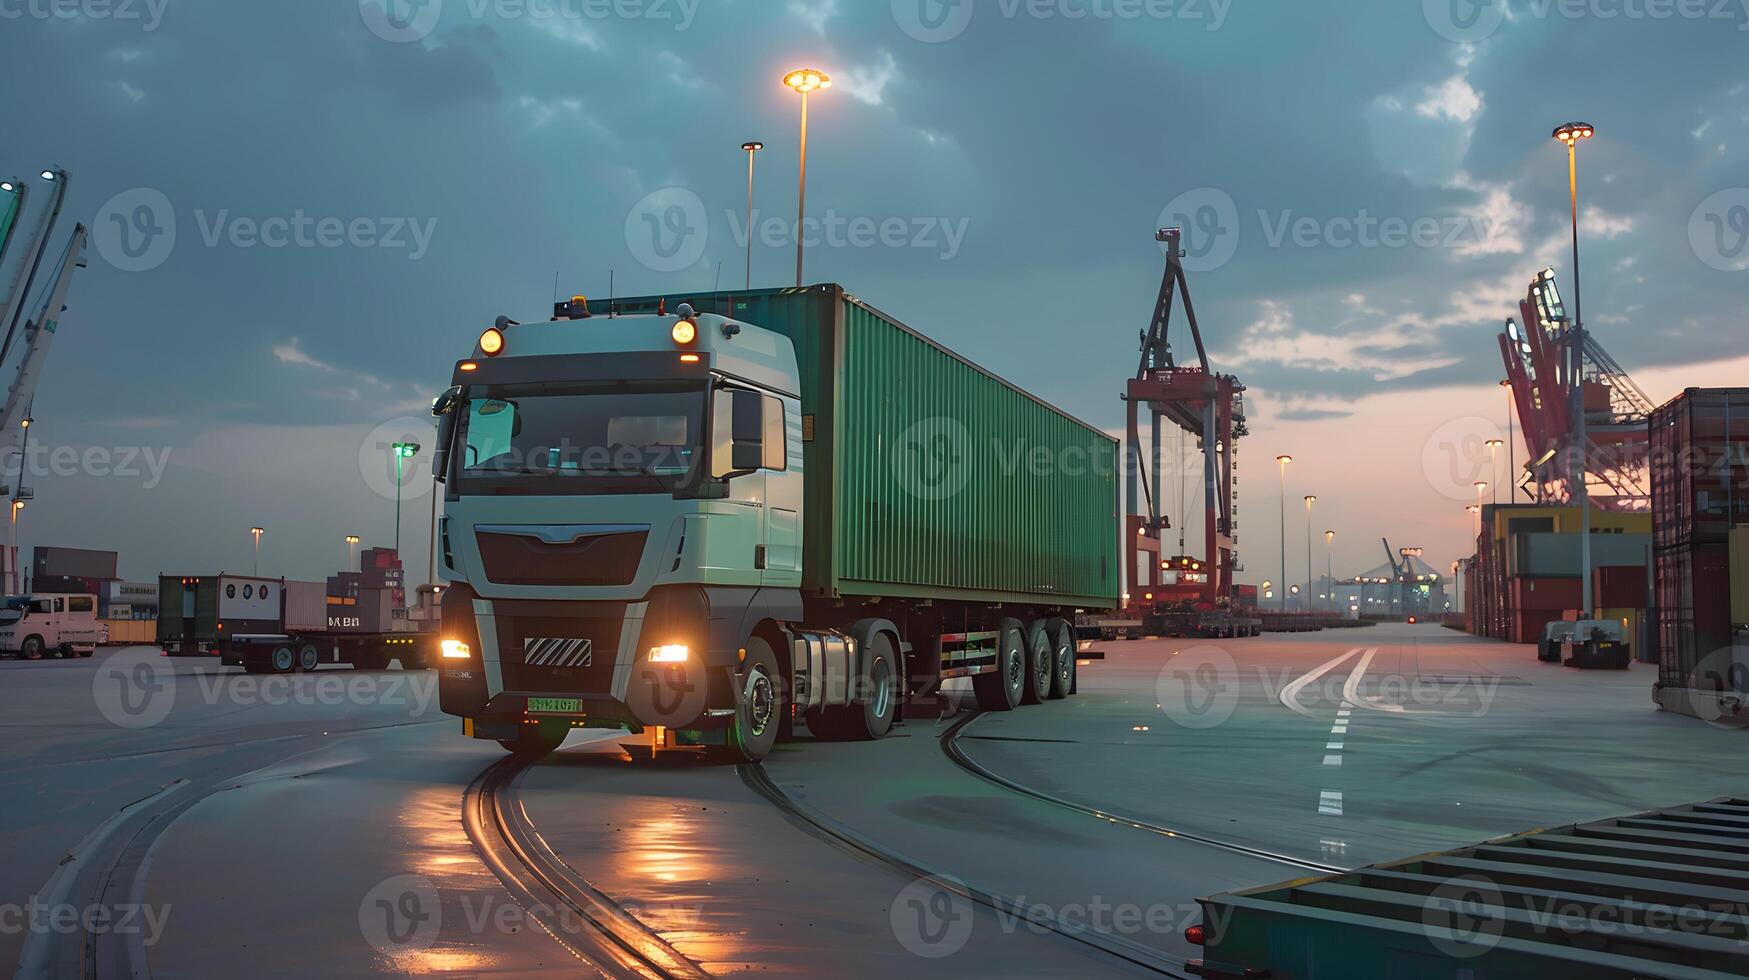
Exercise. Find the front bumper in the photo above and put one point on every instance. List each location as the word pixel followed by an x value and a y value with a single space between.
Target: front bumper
pixel 583 663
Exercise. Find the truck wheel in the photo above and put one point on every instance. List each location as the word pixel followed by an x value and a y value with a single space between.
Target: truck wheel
pixel 283 660
pixel 1041 663
pixel 759 705
pixel 535 741
pixel 309 658
pixel 999 689
pixel 1063 658
pixel 871 716
pixel 32 648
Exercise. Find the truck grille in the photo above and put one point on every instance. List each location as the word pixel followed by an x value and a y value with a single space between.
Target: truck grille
pixel 543 653
pixel 562 555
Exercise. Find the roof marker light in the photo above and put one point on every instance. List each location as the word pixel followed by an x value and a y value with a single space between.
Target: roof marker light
pixel 685 332
pixel 492 342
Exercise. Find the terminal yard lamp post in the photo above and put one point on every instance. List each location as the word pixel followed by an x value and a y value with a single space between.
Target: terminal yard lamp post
pixel 1570 134
pixel 1284 460
pixel 1329 567
pixel 17 582
pixel 1511 461
pixel 351 545
pixel 258 532
pixel 404 451
pixel 1494 465
pixel 804 81
pixel 752 147
pixel 1310 500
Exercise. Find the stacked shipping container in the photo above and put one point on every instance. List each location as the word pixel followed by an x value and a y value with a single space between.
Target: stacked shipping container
pixel 1525 573
pixel 1697 498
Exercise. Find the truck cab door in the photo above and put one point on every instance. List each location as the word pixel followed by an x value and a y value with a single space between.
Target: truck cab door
pixel 783 499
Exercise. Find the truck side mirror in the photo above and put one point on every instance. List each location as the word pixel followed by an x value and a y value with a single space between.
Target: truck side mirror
pixel 443 408
pixel 747 435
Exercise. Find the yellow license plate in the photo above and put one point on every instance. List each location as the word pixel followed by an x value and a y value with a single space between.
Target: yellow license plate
pixel 555 706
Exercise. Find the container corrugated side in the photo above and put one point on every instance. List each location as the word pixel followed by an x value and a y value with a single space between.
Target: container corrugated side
pixel 306 605
pixel 950 482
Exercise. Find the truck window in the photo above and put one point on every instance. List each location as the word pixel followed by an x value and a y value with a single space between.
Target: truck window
pixel 80 604
pixel 60 605
pixel 594 438
pixel 41 606
pixel 776 453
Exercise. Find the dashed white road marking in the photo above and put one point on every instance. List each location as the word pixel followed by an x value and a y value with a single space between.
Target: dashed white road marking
pixel 1333 760
pixel 1290 695
pixel 1330 803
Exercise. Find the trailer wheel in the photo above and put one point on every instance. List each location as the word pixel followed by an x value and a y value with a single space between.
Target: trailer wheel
pixel 999 689
pixel 1041 663
pixel 309 658
pixel 283 660
pixel 870 716
pixel 536 741
pixel 760 704
pixel 1063 657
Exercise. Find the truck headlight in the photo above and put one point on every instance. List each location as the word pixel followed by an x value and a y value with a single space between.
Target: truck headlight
pixel 456 650
pixel 673 654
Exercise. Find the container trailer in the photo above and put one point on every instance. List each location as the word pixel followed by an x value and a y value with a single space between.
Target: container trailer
pixel 273 625
pixel 708 517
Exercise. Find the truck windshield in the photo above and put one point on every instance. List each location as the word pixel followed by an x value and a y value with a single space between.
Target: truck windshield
pixel 621 438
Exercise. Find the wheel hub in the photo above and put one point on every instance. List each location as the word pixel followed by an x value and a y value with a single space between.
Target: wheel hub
pixel 760 701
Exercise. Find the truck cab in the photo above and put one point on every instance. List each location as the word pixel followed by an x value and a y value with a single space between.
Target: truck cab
pixel 762 508
pixel 623 495
pixel 60 624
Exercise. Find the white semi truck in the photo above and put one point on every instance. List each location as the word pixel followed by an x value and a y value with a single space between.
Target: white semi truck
pixel 709 517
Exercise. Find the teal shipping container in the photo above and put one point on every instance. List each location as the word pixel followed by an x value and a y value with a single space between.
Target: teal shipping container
pixel 927 476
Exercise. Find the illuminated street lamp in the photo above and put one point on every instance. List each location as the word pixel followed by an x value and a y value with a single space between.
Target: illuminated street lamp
pixel 404 451
pixel 1570 134
pixel 1310 500
pixel 1494 463
pixel 1284 460
pixel 805 82
pixel 258 532
pixel 752 148
pixel 351 543
pixel 1329 578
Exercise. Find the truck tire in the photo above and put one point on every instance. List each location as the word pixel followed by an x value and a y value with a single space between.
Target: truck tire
pixel 31 649
pixel 1041 663
pixel 309 658
pixel 283 660
pixel 536 741
pixel 1063 658
pixel 999 689
pixel 760 704
pixel 869 717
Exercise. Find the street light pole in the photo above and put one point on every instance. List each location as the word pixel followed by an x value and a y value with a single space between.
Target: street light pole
pixel 351 543
pixel 1329 568
pixel 1571 134
pixel 804 81
pixel 1511 461
pixel 403 452
pixel 258 532
pixel 752 147
pixel 1284 460
pixel 1494 466
pixel 1310 500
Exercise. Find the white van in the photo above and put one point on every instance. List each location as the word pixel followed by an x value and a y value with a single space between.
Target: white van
pixel 35 626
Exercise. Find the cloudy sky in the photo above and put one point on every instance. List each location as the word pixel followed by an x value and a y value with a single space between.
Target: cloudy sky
pixel 303 212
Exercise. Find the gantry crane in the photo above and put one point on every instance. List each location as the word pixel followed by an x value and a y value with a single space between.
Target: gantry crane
pixel 1205 405
pixel 1539 367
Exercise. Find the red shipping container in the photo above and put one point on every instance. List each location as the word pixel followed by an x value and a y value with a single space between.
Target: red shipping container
pixel 1546 595
pixel 1528 627
pixel 1619 587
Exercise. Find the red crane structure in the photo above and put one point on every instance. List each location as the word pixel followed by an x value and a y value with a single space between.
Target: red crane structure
pixel 1205 405
pixel 1540 367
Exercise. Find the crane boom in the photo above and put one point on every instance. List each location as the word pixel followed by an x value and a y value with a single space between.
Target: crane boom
pixel 39 334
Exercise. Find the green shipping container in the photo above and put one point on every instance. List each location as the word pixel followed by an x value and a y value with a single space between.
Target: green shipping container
pixel 928 476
